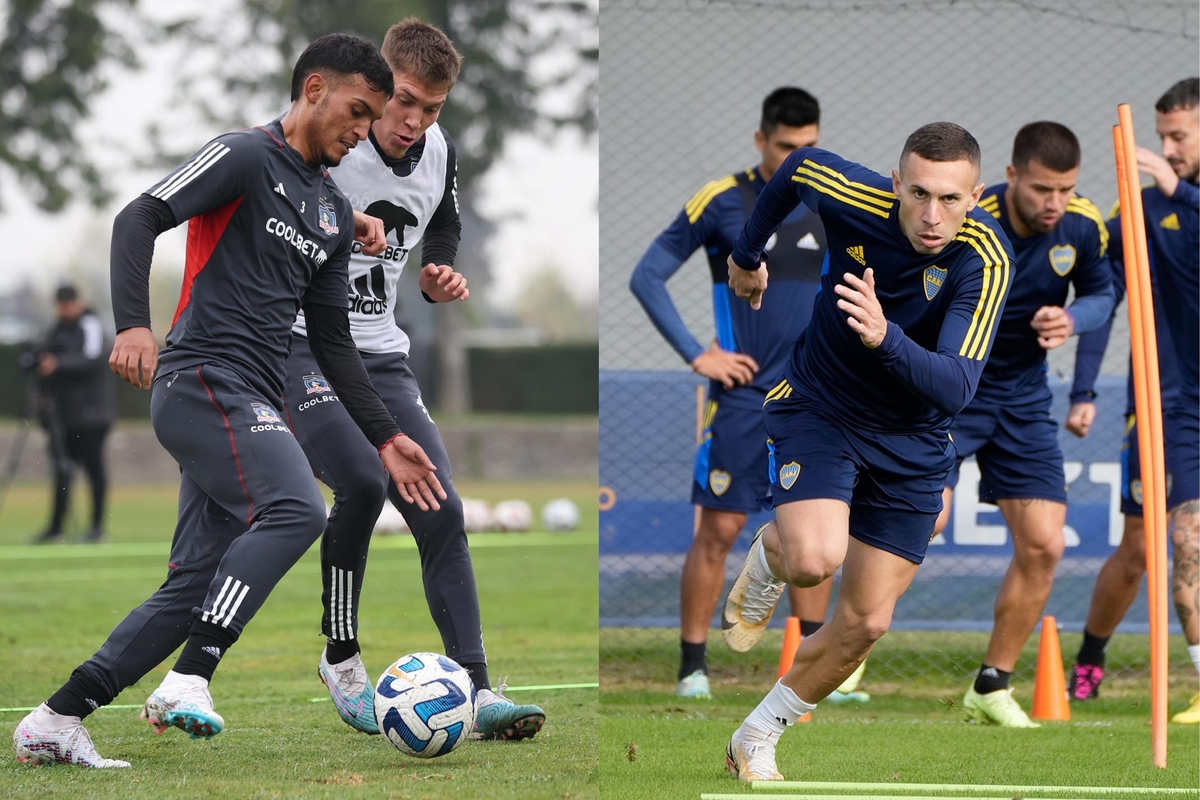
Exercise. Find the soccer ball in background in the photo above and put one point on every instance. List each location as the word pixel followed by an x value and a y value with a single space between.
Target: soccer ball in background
pixel 425 705
pixel 560 515
pixel 477 515
pixel 512 516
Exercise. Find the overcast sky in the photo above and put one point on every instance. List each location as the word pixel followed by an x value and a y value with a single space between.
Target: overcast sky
pixel 547 220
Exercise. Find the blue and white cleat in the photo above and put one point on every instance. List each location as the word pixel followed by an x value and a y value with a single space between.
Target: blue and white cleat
pixel 44 737
pixel 849 692
pixel 497 717
pixel 694 686
pixel 352 692
pixel 183 701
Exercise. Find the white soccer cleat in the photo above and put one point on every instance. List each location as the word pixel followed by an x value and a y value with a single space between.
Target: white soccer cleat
pixel 752 758
pixel 183 701
pixel 751 601
pixel 44 737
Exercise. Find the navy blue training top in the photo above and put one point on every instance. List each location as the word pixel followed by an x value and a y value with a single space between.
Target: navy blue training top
pixel 942 309
pixel 712 219
pixel 1046 265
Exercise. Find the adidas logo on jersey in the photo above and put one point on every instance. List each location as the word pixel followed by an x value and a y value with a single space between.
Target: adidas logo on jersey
pixel 368 294
pixel 215 652
pixel 808 242
pixel 856 253
pixel 279 189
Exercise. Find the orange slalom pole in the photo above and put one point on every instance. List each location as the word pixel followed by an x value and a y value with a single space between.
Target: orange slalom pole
pixel 1149 415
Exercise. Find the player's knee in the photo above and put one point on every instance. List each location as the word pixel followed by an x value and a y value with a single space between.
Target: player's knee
pixel 861 631
pixel 1040 551
pixel 363 485
pixel 808 567
pixel 310 515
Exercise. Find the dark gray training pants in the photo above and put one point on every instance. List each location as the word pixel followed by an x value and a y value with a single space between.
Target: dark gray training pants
pixel 248 510
pixel 343 459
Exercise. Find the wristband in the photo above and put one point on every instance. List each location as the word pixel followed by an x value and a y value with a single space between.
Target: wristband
pixel 390 440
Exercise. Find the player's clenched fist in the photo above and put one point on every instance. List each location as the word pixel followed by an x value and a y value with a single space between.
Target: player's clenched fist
pixel 369 232
pixel 135 356
pixel 442 284
pixel 749 284
pixel 412 472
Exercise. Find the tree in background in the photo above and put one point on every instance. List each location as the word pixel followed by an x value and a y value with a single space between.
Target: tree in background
pixel 52 56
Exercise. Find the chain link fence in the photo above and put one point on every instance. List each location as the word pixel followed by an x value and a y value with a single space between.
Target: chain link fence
pixel 682 83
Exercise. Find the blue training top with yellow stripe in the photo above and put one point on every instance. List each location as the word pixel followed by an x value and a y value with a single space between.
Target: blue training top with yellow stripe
pixel 1046 265
pixel 711 220
pixel 942 309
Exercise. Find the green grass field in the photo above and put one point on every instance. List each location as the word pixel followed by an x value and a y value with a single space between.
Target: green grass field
pixel 654 744
pixel 539 597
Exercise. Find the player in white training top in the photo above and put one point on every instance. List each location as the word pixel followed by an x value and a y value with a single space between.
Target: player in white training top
pixel 405 176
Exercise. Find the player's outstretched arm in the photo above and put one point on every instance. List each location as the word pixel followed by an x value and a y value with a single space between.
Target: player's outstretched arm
pixel 340 362
pixel 135 353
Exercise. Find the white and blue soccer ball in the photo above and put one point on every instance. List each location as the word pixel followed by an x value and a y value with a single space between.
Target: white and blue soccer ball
pixel 425 705
pixel 560 515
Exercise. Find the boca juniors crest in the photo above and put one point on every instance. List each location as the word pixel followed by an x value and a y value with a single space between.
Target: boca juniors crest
pixel 718 481
pixel 314 384
pixel 327 217
pixel 935 276
pixel 788 474
pixel 1062 259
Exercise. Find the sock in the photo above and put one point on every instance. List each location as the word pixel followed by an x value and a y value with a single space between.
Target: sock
pixel 337 651
pixel 205 646
pixel 764 567
pixel 1092 650
pixel 46 718
pixel 175 679
pixel 1194 652
pixel 779 709
pixel 80 695
pixel 808 627
pixel 691 658
pixel 479 676
pixel 991 679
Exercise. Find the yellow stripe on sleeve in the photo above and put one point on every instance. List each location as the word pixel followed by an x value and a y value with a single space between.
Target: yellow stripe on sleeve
pixel 1087 208
pixel 700 200
pixel 995 285
pixel 818 183
pixel 862 187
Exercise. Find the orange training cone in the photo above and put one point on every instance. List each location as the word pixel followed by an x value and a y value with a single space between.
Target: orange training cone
pixel 1049 686
pixel 791 640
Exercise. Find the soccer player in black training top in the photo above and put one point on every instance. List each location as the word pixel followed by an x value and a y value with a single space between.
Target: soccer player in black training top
pixel 268 232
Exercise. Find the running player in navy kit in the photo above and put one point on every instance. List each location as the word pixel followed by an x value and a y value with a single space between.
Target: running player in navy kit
pixel 405 174
pixel 859 447
pixel 268 232
pixel 1171 216
pixel 1060 241
pixel 751 347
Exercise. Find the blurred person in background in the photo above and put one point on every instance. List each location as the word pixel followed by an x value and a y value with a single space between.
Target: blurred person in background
pixel 1060 243
pixel 77 406
pixel 731 477
pixel 1171 215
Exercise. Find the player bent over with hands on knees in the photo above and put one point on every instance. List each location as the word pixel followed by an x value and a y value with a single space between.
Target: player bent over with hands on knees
pixel 405 174
pixel 1060 241
pixel 859 421
pixel 269 232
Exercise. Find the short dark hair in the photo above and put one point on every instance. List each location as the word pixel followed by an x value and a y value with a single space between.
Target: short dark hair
pixel 1183 95
pixel 1050 144
pixel 339 55
pixel 66 293
pixel 789 105
pixel 942 141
